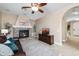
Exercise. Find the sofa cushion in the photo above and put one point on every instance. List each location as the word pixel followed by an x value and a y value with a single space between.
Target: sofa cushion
pixel 2 39
pixel 11 44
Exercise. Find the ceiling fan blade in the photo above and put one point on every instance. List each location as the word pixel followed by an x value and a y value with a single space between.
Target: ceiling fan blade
pixel 34 4
pixel 40 10
pixel 32 12
pixel 42 4
pixel 26 7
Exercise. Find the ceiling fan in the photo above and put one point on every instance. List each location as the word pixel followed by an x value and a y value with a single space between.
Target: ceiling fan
pixel 35 7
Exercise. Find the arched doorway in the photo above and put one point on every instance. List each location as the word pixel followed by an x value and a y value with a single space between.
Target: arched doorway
pixel 71 25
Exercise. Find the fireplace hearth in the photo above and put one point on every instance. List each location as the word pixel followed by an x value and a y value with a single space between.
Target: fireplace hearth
pixel 23 33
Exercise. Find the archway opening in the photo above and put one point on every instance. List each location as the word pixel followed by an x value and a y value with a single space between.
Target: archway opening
pixel 71 26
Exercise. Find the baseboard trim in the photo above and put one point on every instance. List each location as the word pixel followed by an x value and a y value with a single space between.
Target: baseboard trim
pixel 60 44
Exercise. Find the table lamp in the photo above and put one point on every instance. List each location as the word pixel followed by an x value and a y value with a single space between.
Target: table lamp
pixel 4 31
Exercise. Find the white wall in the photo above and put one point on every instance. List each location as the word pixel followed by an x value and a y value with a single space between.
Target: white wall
pixel 54 21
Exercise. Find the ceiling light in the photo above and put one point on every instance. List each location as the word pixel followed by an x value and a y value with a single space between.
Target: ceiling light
pixel 35 8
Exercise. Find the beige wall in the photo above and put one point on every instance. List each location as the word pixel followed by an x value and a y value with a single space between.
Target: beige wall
pixel 55 23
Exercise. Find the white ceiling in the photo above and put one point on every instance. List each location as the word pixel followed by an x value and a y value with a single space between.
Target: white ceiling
pixel 15 8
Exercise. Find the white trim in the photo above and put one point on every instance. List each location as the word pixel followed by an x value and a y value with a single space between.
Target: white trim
pixel 59 44
pixel 64 40
pixel 14 26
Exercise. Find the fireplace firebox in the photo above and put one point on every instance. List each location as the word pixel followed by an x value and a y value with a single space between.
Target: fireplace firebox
pixel 23 33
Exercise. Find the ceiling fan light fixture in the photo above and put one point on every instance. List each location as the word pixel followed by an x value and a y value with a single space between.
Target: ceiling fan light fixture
pixel 35 8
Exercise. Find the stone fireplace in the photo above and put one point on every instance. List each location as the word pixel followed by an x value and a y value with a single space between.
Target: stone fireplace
pixel 22 27
pixel 23 33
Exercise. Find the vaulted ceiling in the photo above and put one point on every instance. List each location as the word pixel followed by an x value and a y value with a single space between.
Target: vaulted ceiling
pixel 15 8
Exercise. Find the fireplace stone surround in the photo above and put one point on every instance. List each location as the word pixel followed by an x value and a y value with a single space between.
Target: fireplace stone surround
pixel 21 32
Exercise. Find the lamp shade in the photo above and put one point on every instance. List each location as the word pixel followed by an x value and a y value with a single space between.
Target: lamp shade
pixel 4 31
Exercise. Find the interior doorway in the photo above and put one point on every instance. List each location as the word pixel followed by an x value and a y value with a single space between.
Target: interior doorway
pixel 71 27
